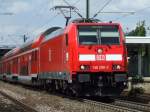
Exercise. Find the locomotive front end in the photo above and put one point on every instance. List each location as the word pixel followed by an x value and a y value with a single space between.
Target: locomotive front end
pixel 101 62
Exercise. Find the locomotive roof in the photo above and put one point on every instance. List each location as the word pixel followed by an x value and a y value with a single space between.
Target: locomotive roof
pixel 85 20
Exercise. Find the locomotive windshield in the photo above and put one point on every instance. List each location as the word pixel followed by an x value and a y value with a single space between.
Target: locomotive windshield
pixel 89 35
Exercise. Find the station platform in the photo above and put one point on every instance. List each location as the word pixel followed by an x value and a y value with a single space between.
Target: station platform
pixel 139 56
pixel 145 85
pixel 139 61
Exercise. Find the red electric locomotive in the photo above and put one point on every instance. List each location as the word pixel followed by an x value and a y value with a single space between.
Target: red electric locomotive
pixel 84 58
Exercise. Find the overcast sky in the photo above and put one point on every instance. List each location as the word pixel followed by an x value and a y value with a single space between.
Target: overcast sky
pixel 31 17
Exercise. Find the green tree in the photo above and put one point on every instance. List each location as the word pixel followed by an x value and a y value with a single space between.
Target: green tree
pixel 140 30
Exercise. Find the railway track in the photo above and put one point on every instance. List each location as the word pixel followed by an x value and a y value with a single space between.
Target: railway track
pixel 23 105
pixel 145 96
pixel 117 106
pixel 113 107
pixel 133 105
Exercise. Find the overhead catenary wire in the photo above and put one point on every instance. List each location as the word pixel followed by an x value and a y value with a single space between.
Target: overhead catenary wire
pixel 29 23
pixel 39 27
pixel 102 8
pixel 137 11
pixel 142 9
pixel 6 13
pixel 76 2
pixel 36 14
pixel 74 9
pixel 35 29
pixel 53 17
pixel 119 12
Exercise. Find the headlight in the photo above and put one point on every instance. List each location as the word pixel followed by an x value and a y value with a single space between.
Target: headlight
pixel 84 67
pixel 118 67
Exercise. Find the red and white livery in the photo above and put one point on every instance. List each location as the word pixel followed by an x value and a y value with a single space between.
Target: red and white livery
pixel 83 58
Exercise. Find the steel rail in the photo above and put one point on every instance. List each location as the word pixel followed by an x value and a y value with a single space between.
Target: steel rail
pixel 23 105
pixel 110 106
pixel 133 105
pixel 117 106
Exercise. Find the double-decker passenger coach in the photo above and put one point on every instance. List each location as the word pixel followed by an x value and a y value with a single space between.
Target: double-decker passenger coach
pixel 84 58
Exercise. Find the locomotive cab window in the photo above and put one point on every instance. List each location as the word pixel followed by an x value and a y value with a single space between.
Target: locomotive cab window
pixel 89 35
pixel 109 35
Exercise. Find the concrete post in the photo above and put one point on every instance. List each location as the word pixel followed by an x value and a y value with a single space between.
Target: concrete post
pixel 148 60
pixel 139 62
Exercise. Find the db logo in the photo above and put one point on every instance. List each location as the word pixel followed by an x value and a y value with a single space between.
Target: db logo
pixel 100 57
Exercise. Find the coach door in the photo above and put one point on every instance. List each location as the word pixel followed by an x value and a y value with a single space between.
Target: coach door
pixel 29 65
pixel 34 62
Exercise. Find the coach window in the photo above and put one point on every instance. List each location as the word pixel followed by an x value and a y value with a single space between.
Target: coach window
pixel 66 39
pixel 32 56
pixel 0 68
pixel 35 54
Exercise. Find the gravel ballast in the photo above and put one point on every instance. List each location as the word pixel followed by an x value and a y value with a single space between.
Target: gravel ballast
pixel 7 105
pixel 43 101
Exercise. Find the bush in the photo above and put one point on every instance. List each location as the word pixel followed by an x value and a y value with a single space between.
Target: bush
pixel 136 91
pixel 137 79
